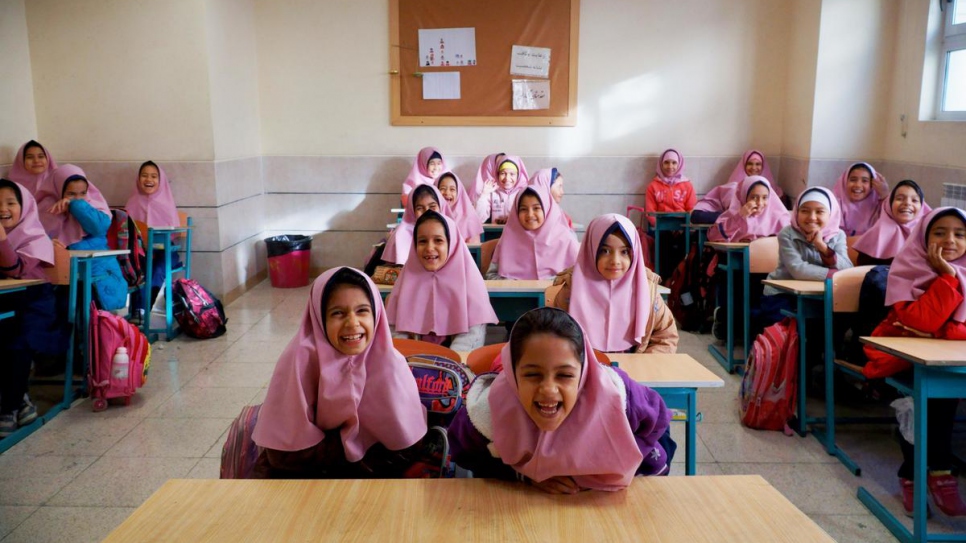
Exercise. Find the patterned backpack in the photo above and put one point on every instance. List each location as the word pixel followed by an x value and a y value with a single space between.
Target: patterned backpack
pixel 198 312
pixel 124 234
pixel 108 332
pixel 768 389
pixel 239 453
pixel 442 385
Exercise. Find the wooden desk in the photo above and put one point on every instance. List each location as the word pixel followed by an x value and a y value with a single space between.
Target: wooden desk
pixel 509 298
pixel 794 286
pixel 666 509
pixel 735 263
pixel 14 285
pixel 939 371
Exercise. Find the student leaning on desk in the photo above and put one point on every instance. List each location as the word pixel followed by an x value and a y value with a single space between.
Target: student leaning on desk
pixel 24 250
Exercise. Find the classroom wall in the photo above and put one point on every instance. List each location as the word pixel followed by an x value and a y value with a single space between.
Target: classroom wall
pixel 17 116
pixel 799 103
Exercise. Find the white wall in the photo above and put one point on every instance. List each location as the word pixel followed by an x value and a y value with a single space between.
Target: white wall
pixel 696 74
pixel 119 80
pixel 852 83
pixel 18 121
pixel 800 72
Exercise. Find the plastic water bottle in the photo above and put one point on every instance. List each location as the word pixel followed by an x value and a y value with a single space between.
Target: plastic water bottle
pixel 120 364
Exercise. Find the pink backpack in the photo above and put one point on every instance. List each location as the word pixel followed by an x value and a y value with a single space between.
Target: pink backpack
pixel 198 312
pixel 107 333
pixel 768 389
pixel 239 453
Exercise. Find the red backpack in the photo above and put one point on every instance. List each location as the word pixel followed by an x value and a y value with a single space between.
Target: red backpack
pixel 693 291
pixel 107 333
pixel 768 389
pixel 198 312
pixel 239 453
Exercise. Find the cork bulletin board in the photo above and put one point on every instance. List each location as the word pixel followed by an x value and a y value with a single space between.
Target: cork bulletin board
pixel 485 83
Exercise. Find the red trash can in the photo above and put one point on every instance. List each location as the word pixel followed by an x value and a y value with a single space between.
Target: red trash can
pixel 289 257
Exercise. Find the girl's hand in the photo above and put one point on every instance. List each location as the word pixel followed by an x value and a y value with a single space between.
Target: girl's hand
pixel 557 485
pixel 750 209
pixel 815 238
pixel 880 186
pixel 489 187
pixel 934 255
pixel 60 207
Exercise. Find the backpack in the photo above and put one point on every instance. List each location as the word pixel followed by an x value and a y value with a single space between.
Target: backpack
pixel 442 385
pixel 693 291
pixel 108 332
pixel 124 234
pixel 239 454
pixel 198 312
pixel 769 386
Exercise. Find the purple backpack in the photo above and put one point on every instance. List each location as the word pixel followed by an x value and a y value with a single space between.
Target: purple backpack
pixel 198 312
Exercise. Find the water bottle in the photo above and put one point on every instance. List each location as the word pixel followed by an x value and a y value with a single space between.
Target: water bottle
pixel 120 364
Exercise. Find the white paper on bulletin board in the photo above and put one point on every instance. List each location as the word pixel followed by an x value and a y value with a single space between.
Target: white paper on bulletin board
pixel 441 47
pixel 531 94
pixel 530 61
pixel 441 86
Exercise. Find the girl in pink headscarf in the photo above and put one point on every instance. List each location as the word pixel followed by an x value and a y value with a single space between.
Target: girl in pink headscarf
pixel 811 248
pixel 558 419
pixel 342 401
pixel 485 173
pixel 899 214
pixel 927 285
pixel 424 198
pixel 669 190
pixel 32 166
pixel 755 212
pixel 428 165
pixel 25 250
pixel 76 214
pixel 496 196
pixel 535 243
pixel 613 295
pixel 717 201
pixel 459 206
pixel 860 191
pixel 440 296
pixel 152 203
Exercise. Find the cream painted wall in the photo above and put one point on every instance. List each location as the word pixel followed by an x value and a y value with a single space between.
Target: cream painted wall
pixel 653 74
pixel 119 80
pixel 852 83
pixel 800 77
pixel 18 121
pixel 233 77
pixel 926 141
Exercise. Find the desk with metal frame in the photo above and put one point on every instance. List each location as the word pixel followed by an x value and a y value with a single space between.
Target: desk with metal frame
pixel 164 240
pixel 736 262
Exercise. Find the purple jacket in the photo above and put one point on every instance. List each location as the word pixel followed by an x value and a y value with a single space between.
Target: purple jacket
pixel 646 414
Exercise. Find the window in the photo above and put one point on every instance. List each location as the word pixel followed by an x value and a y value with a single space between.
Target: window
pixel 952 72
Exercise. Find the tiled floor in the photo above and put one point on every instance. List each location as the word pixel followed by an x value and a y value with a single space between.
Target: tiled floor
pixel 83 473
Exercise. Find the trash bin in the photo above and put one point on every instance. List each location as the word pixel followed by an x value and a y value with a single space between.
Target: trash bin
pixel 288 260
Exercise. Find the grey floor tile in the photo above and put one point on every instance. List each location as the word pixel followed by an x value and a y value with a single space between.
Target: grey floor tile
pixel 12 515
pixel 733 443
pixel 863 528
pixel 222 374
pixel 206 468
pixel 206 403
pixel 121 482
pixel 170 438
pixel 814 488
pixel 71 433
pixel 32 481
pixel 69 524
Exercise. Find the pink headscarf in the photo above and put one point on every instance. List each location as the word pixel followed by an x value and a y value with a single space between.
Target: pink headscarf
pixel 717 199
pixel 419 174
pixel 857 217
pixel 678 174
pixel 65 227
pixel 886 237
pixel 28 237
pixel 614 313
pixel 910 274
pixel 525 254
pixel 738 173
pixel 157 209
pixel 371 397
pixel 834 214
pixel 19 173
pixel 445 302
pixel 397 246
pixel 522 176
pixel 544 178
pixel 594 444
pixel 486 172
pixel 462 211
pixel 769 223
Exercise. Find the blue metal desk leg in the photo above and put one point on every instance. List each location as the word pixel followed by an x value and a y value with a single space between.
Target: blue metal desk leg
pixel 691 428
pixel 146 290
pixel 168 316
pixel 745 303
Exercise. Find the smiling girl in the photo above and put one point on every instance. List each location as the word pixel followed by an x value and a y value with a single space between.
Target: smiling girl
pixel 898 215
pixel 32 165
pixel 440 296
pixel 429 163
pixel 669 190
pixel 152 203
pixel 755 212
pixel 342 402
pixel 496 195
pixel 424 198
pixel 860 191
pixel 556 418
pixel 459 206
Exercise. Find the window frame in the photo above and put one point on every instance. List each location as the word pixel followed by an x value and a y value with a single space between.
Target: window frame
pixel 954 39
